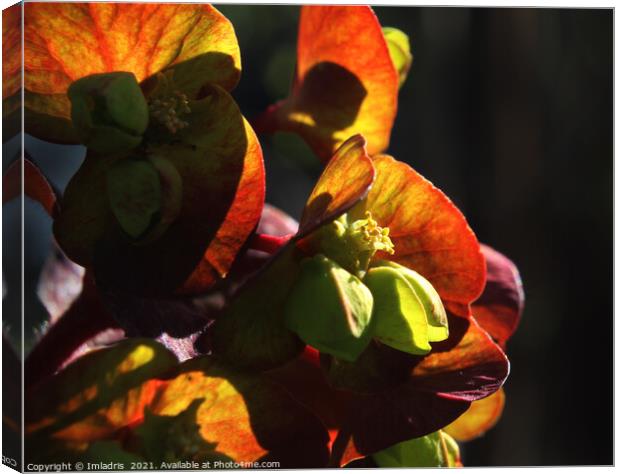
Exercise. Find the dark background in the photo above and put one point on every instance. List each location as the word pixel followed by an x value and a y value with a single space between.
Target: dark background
pixel 510 113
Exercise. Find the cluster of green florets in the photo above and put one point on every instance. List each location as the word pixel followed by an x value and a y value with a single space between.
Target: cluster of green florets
pixel 168 111
pixel 368 235
pixel 353 243
pixel 344 296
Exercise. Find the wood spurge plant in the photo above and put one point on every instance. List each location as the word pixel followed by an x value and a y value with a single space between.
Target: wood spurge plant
pixel 209 327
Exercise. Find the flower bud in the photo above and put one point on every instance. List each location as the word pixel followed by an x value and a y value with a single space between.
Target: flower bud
pixel 330 309
pixel 400 318
pixel 109 111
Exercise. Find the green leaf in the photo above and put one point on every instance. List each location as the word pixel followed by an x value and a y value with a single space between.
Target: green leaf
pixel 330 309
pixel 400 51
pixel 135 194
pixel 434 450
pixel 400 318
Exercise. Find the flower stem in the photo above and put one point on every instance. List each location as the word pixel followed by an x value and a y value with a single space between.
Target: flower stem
pixel 269 243
pixel 85 318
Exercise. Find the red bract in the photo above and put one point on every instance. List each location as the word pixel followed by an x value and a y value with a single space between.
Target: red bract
pixel 413 396
pixel 498 311
pixel 499 308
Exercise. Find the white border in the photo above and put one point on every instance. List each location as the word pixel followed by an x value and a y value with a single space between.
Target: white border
pixel 449 3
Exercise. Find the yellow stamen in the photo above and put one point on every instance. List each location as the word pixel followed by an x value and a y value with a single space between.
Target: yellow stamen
pixel 371 236
pixel 168 110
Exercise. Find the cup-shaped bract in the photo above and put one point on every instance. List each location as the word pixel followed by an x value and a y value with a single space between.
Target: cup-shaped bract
pixel 108 111
pixel 400 315
pixel 330 309
pixel 436 316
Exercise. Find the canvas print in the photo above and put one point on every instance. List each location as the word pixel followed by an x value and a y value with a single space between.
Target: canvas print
pixel 305 236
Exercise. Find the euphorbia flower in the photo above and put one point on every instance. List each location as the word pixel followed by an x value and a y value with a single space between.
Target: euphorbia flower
pixel 153 210
pixel 386 395
pixel 66 41
pixel 345 81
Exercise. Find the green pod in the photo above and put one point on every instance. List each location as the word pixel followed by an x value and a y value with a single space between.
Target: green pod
pixel 108 111
pixel 436 316
pixel 400 317
pixel 330 309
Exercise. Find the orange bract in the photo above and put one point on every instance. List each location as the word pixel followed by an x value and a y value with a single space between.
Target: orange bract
pixel 241 218
pixel 345 180
pixel 120 389
pixel 345 81
pixel 66 41
pixel 11 49
pixel 429 233
pixel 245 417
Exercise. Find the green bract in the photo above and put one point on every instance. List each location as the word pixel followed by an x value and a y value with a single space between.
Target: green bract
pixel 433 307
pixel 407 310
pixel 399 314
pixel 330 309
pixel 434 450
pixel 172 195
pixel 145 195
pixel 135 195
pixel 400 51
pixel 108 111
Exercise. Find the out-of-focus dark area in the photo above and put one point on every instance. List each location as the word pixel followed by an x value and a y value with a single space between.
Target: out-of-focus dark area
pixel 509 112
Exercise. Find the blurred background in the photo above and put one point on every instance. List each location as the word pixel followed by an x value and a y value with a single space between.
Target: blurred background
pixel 510 113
